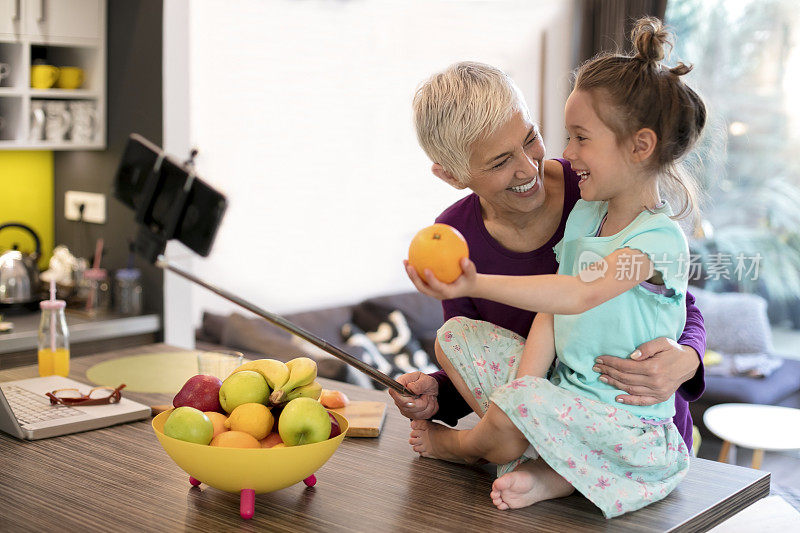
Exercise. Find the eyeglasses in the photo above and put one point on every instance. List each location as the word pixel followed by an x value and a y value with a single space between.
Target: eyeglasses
pixel 96 396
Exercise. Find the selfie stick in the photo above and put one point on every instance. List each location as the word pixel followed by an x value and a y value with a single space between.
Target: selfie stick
pixel 375 374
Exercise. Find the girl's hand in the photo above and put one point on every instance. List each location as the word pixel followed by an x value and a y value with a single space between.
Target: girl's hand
pixel 655 371
pixel 422 407
pixel 430 286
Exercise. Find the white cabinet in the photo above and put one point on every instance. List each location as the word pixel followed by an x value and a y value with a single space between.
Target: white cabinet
pixel 54 21
pixel 10 16
pixel 61 33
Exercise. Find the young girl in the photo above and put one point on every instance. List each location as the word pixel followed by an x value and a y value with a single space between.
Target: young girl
pixel 622 278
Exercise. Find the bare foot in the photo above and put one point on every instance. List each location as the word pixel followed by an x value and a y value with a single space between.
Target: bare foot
pixel 532 481
pixel 430 439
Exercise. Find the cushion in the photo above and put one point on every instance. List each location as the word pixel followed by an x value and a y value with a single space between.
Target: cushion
pixel 387 340
pixel 735 322
pixel 769 390
pixel 422 313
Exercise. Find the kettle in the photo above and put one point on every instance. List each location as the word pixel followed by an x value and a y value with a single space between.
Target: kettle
pixel 19 274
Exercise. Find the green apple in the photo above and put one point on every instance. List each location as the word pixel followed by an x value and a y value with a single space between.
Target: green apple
pixel 246 386
pixel 189 424
pixel 304 421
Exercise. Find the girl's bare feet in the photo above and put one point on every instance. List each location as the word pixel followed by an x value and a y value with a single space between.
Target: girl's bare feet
pixel 430 439
pixel 532 481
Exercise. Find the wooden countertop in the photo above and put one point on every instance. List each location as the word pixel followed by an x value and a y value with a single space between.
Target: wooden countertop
pixel 120 479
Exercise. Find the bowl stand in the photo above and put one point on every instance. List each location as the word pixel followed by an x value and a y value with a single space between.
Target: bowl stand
pixel 247 497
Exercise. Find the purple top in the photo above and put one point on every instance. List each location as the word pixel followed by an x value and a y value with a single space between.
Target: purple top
pixel 490 257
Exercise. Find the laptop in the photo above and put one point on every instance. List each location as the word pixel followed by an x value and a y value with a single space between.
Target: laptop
pixel 26 413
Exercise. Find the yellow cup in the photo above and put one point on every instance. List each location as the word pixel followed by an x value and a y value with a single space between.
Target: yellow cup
pixel 43 76
pixel 70 78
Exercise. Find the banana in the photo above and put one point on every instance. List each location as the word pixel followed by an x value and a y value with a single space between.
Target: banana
pixel 302 371
pixel 275 372
pixel 313 390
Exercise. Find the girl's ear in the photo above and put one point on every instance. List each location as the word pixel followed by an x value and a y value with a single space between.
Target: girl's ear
pixel 644 143
pixel 439 171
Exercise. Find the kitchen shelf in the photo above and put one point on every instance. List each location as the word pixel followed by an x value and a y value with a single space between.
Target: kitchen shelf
pixel 81 329
pixel 65 34
pixel 75 94
pixel 63 145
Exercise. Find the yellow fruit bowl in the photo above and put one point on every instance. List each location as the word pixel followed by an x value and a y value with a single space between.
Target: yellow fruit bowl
pixel 246 470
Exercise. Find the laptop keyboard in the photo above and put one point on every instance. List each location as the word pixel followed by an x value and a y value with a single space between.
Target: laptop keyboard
pixel 30 407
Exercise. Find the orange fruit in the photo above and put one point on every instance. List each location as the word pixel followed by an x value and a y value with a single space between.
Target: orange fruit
pixel 235 439
pixel 333 399
pixel 439 248
pixel 218 419
pixel 271 440
pixel 252 418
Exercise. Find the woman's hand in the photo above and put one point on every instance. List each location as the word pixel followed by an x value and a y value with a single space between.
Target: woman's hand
pixel 653 373
pixel 431 286
pixel 423 407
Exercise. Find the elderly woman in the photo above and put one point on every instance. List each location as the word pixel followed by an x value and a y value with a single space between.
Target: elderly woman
pixel 473 123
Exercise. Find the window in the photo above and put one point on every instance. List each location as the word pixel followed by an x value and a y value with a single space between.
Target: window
pixel 746 57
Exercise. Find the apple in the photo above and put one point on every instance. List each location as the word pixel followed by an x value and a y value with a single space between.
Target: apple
pixel 335 429
pixel 201 392
pixel 189 424
pixel 304 421
pixel 242 387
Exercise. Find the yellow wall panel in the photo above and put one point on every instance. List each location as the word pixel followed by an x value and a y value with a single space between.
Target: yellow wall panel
pixel 26 196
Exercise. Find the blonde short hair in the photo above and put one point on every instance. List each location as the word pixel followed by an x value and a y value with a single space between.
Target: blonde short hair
pixel 456 107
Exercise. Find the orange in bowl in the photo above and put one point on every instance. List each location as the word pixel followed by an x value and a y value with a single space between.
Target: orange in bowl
pixel 439 248
pixel 218 419
pixel 235 439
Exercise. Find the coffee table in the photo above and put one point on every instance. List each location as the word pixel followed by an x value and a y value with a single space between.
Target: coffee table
pixel 758 427
pixel 120 479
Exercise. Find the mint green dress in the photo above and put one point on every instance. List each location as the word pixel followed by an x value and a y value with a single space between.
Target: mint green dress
pixel 621 457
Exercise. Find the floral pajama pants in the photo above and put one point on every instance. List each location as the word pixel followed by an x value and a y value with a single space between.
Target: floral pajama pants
pixel 612 457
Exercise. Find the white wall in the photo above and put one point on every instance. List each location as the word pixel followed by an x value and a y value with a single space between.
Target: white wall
pixel 302 114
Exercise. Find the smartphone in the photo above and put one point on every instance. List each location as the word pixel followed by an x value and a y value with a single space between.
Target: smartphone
pixel 170 201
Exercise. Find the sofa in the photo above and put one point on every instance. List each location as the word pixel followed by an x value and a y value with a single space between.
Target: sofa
pixel 410 318
pixel 735 324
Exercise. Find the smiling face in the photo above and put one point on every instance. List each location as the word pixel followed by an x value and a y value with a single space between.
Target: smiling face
pixel 506 168
pixel 594 153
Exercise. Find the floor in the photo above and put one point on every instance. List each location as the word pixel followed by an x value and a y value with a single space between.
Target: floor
pixel 783 466
pixel 786 342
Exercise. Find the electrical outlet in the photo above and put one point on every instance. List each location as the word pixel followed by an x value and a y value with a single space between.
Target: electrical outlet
pixel 94 206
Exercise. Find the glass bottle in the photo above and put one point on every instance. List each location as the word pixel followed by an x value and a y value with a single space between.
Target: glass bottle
pixel 99 290
pixel 128 291
pixel 53 339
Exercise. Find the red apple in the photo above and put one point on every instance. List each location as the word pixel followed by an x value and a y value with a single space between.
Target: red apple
pixel 335 429
pixel 201 392
pixel 271 440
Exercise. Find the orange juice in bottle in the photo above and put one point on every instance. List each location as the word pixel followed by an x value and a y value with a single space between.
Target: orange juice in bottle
pixel 53 337
pixel 54 362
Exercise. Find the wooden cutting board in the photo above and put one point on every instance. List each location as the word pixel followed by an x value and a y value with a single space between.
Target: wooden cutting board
pixel 365 418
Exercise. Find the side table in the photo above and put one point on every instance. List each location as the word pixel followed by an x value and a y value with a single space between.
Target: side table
pixel 758 427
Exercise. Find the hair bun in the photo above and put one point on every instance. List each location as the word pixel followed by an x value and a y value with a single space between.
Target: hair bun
pixel 680 69
pixel 648 38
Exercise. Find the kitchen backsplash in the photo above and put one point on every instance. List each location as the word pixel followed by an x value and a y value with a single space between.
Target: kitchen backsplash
pixel 26 196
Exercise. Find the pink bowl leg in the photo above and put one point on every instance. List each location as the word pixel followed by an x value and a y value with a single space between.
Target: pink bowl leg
pixel 247 504
pixel 193 481
pixel 310 481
